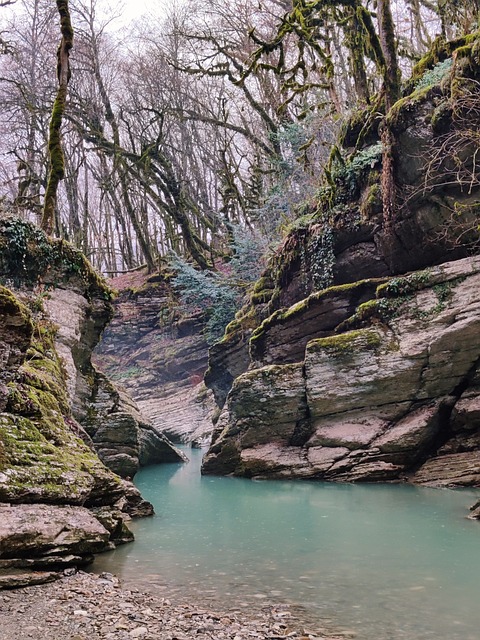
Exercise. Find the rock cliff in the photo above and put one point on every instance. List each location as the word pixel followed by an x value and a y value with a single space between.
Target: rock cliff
pixel 393 394
pixel 356 357
pixel 59 503
pixel 159 356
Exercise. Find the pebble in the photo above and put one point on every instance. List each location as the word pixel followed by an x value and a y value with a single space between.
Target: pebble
pixel 85 606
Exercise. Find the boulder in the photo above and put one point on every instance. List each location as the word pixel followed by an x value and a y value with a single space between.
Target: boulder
pixel 38 531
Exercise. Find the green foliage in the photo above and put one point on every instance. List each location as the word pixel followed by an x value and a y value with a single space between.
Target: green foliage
pixel 304 145
pixel 28 257
pixel 218 294
pixel 247 259
pixel 20 238
pixel 126 374
pixel 405 285
pixel 321 258
pixel 346 176
pixel 435 75
pixel 355 168
pixel 291 137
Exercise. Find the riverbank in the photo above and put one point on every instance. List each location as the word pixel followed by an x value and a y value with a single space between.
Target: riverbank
pixel 97 607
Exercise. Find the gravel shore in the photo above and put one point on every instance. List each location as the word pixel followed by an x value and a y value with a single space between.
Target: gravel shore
pixel 90 607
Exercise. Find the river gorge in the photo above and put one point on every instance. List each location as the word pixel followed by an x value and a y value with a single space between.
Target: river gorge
pixel 389 562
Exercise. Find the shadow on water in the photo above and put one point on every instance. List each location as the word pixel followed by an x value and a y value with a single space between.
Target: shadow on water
pixel 390 562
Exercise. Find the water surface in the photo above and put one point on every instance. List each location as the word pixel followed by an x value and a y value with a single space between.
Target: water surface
pixel 389 562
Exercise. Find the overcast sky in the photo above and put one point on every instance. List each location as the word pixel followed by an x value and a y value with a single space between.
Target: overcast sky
pixel 131 9
pixel 136 8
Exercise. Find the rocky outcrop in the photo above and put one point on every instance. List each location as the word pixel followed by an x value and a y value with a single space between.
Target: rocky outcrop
pixel 121 435
pixel 475 511
pixel 379 380
pixel 391 395
pixel 159 356
pixel 341 238
pixel 59 503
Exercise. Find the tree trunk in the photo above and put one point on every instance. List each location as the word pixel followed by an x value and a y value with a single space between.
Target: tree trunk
pixel 57 164
pixel 386 33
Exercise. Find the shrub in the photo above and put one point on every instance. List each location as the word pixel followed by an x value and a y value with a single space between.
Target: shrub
pixel 218 294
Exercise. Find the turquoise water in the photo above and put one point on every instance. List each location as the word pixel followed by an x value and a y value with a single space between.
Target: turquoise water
pixel 387 562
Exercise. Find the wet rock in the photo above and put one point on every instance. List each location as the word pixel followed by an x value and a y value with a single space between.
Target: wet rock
pixel 475 511
pixel 86 606
pixel 282 338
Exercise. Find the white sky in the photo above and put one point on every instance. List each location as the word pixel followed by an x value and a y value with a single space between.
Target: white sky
pixel 136 8
pixel 128 10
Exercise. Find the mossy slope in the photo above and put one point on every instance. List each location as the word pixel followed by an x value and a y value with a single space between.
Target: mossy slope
pixel 42 459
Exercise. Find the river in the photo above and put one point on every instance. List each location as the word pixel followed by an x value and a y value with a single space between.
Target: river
pixel 388 562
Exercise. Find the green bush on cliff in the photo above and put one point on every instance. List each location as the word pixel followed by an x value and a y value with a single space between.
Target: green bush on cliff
pixel 218 294
pixel 435 75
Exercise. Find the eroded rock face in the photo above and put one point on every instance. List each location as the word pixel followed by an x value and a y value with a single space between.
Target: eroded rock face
pixel 342 238
pixel 159 358
pixel 122 436
pixel 59 504
pixel 392 395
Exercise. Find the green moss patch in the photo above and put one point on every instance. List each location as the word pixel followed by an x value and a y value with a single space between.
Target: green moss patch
pixel 296 311
pixel 346 343
pixel 29 258
pixel 41 458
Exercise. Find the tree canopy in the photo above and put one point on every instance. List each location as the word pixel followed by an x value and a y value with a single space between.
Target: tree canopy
pixel 172 131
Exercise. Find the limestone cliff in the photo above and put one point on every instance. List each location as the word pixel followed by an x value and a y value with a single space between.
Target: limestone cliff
pixel 339 367
pixel 392 395
pixel 159 355
pixel 59 503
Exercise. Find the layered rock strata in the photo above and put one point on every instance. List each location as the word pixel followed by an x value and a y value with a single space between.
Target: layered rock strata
pixel 159 356
pixel 59 503
pixel 329 373
pixel 123 438
pixel 391 394
pixel 341 237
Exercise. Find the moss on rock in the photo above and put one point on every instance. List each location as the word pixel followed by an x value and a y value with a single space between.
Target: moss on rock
pixel 346 343
pixel 41 458
pixel 29 258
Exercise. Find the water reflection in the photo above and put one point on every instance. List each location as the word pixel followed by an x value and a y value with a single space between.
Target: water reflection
pixel 390 562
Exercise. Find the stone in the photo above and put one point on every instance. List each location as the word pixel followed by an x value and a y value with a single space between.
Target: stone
pixel 397 391
pixel 282 338
pixel 475 511
pixel 454 470
pixel 38 530
pixel 160 359
pixel 353 430
pixel 265 404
